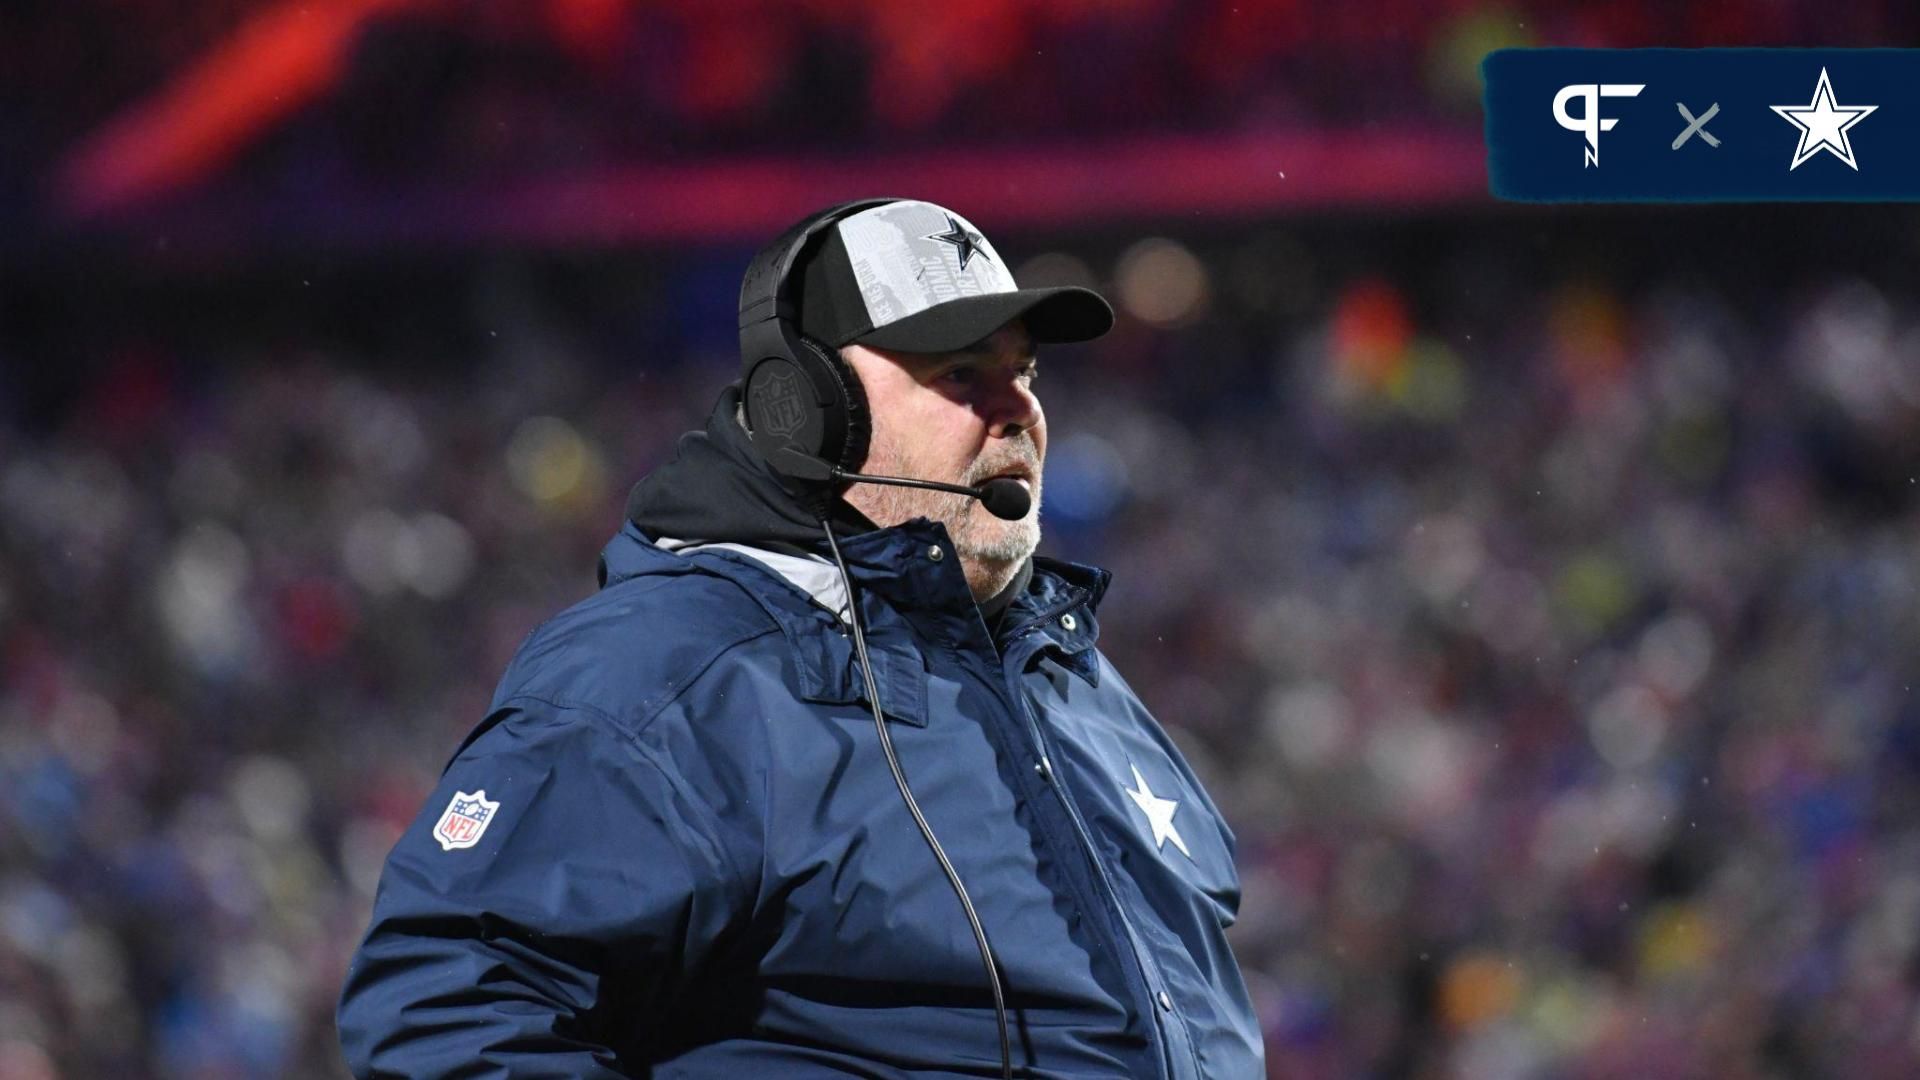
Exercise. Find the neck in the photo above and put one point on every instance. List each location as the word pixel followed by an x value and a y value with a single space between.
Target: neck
pixel 1001 591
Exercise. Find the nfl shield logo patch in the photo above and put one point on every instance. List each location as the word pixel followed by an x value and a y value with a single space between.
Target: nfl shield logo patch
pixel 781 410
pixel 466 819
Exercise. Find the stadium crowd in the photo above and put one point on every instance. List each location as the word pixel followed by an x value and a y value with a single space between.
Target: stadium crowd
pixel 375 92
pixel 1548 635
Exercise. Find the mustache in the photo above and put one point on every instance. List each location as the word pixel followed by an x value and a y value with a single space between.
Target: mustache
pixel 1021 452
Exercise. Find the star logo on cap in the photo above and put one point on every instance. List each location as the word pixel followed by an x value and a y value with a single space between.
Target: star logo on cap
pixel 966 243
pixel 1823 125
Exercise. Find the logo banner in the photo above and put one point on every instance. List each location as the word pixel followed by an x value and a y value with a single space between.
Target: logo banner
pixel 1703 125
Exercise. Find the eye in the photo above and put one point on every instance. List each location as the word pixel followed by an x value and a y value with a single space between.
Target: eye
pixel 964 375
pixel 1029 372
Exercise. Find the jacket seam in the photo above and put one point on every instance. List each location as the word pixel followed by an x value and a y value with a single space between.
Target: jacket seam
pixel 615 728
pixel 643 720
pixel 699 673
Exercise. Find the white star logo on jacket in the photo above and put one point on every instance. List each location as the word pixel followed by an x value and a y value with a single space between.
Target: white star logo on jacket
pixel 1159 813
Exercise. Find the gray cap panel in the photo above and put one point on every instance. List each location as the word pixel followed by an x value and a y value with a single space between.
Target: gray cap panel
pixel 908 256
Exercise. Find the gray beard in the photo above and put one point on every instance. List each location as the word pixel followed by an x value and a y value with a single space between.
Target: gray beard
pixel 979 538
pixel 977 535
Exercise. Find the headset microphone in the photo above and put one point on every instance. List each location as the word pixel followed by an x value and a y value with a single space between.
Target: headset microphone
pixel 1004 497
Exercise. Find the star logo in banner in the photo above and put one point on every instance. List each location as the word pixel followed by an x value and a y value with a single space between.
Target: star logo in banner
pixel 1159 813
pixel 1823 125
pixel 966 243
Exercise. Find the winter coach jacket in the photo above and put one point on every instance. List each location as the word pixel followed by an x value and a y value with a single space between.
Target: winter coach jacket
pixel 673 848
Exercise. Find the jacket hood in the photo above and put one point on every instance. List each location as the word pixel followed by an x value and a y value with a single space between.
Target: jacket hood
pixel 716 488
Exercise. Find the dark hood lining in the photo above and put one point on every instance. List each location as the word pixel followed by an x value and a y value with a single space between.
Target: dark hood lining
pixel 717 488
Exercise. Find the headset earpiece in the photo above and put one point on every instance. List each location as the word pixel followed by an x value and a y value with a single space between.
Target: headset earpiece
pixel 855 420
pixel 798 393
pixel 811 401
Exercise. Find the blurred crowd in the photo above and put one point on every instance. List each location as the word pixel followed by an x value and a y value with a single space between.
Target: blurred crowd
pixel 1538 603
pixel 305 96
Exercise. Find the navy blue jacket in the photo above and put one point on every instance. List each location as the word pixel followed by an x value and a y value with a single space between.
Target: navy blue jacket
pixel 674 848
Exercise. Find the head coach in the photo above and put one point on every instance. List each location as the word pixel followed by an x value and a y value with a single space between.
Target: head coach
pixel 829 778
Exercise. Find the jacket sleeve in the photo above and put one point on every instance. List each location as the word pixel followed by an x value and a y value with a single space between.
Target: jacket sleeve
pixel 540 940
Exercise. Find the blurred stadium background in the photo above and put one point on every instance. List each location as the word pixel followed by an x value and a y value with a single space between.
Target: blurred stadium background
pixel 1534 586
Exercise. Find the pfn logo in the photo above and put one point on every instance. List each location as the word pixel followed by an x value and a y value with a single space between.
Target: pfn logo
pixel 1589 122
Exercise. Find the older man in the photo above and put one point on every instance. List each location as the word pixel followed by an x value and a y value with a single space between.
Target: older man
pixel 829 778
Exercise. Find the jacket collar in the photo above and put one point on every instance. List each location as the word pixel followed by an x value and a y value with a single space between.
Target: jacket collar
pixel 812 574
pixel 1054 617
pixel 1058 614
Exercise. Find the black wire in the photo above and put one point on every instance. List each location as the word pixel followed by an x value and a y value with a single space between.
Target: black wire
pixel 926 830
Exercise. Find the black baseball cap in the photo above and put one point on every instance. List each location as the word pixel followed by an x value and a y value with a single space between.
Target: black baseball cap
pixel 917 277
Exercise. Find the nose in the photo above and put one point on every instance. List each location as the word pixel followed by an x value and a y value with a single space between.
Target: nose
pixel 1012 409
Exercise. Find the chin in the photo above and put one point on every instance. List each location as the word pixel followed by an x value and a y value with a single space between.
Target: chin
pixel 988 539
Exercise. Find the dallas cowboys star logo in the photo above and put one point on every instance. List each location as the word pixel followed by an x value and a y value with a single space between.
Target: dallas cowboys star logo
pixel 966 243
pixel 1159 813
pixel 1823 125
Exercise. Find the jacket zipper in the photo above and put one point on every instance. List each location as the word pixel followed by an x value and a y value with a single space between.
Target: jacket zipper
pixel 1053 781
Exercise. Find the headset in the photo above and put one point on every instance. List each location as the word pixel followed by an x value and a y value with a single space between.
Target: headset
pixel 799 394
pixel 808 417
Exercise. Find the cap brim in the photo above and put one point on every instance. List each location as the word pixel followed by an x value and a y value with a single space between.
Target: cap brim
pixel 1060 314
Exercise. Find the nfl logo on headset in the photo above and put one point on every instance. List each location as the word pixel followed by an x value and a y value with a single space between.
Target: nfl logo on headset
pixel 780 410
pixel 466 819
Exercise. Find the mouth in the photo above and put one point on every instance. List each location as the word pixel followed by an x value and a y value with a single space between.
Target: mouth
pixel 1012 472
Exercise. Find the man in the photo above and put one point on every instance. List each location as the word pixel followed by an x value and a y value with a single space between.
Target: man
pixel 675 847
